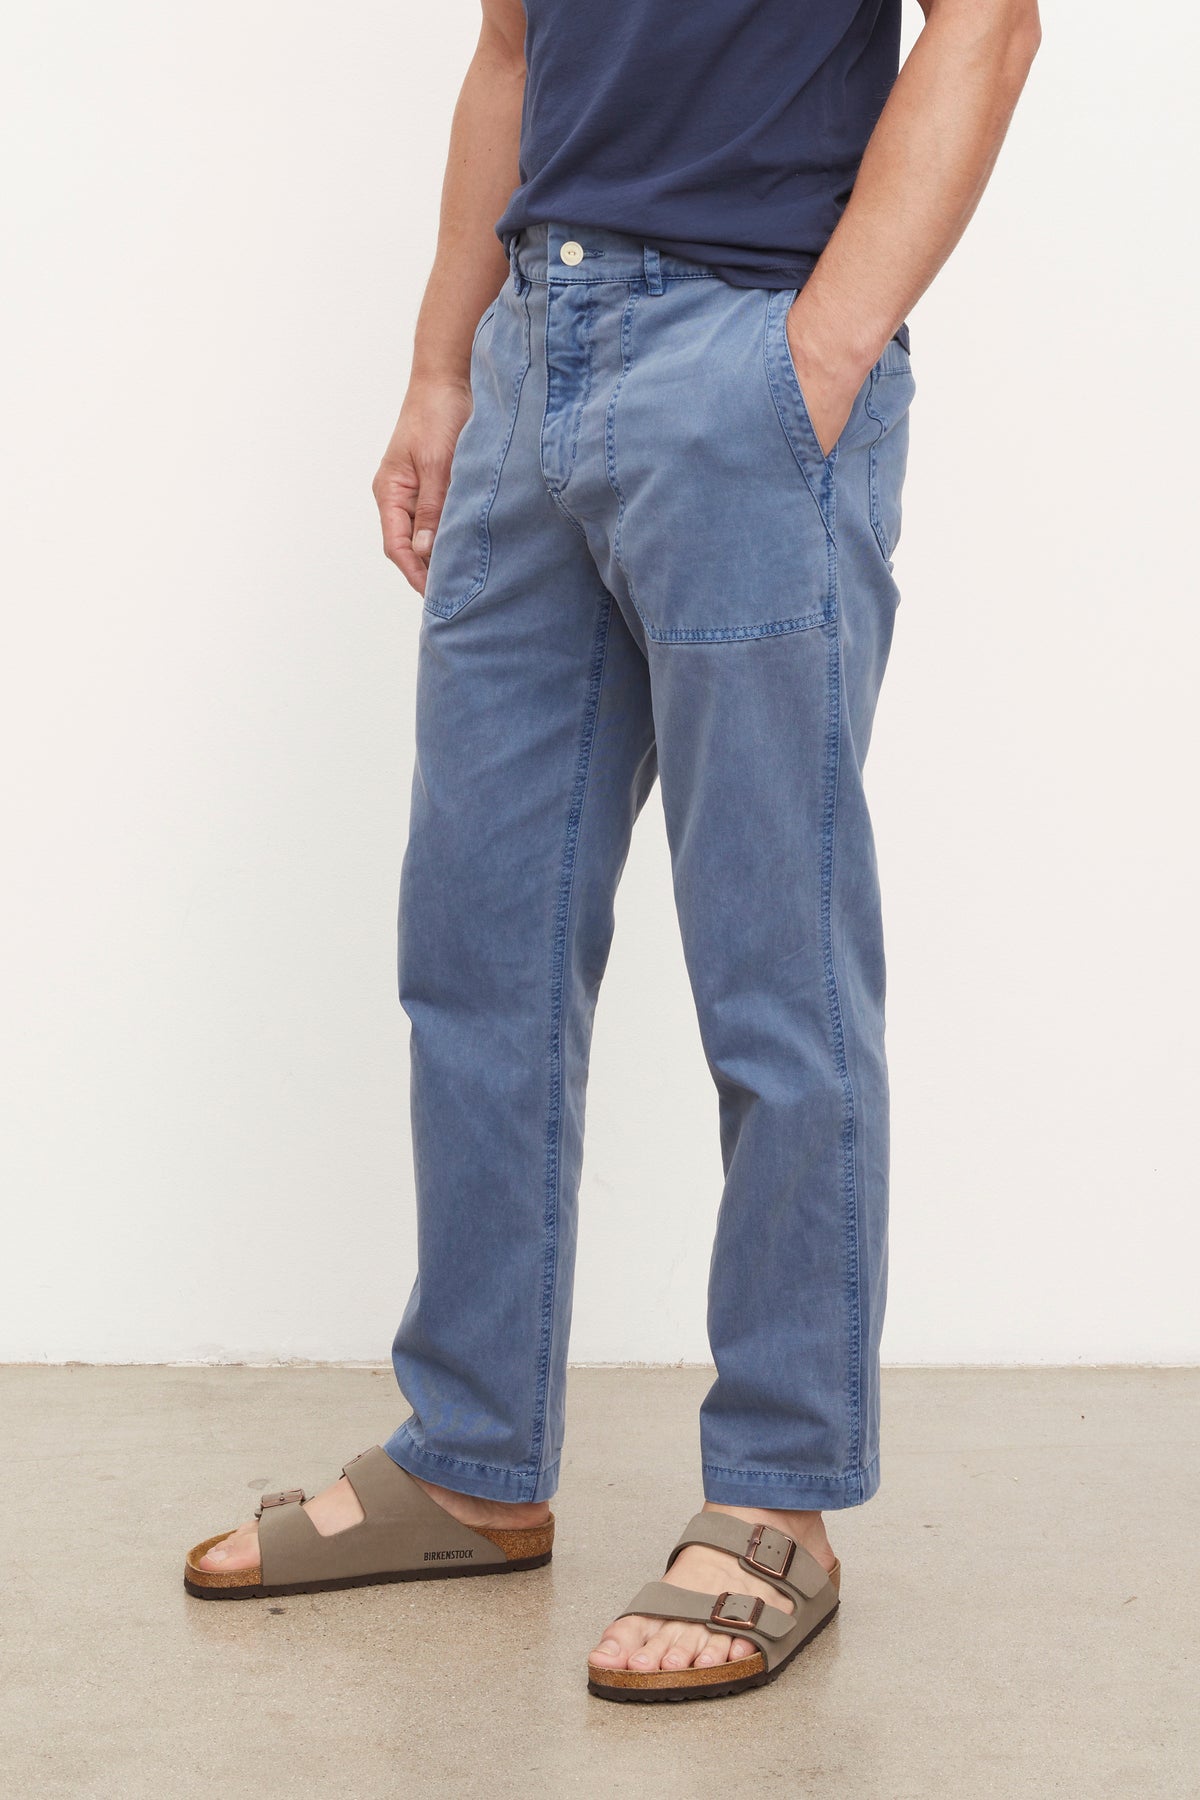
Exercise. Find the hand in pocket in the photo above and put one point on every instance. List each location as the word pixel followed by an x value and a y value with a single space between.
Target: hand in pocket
pixel 828 385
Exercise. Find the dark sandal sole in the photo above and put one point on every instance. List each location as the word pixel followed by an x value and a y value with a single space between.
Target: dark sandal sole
pixel 703 1690
pixel 248 1591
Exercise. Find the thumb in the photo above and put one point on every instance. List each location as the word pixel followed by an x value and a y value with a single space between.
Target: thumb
pixel 426 515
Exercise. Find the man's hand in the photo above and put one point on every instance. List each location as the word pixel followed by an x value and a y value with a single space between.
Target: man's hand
pixel 482 170
pixel 829 381
pixel 920 179
pixel 410 486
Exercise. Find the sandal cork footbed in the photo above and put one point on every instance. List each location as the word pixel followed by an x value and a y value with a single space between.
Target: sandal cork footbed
pixel 708 1683
pixel 404 1535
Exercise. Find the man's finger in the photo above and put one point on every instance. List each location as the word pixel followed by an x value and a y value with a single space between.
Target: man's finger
pixel 411 567
pixel 428 512
pixel 398 541
pixel 398 548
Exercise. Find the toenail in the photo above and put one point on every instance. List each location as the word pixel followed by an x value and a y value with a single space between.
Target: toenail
pixel 217 1555
pixel 611 1645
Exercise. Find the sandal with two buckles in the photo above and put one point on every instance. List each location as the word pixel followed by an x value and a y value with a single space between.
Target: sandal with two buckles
pixel 761 1550
pixel 404 1535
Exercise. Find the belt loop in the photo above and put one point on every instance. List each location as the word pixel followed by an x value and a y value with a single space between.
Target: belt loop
pixel 652 269
pixel 520 279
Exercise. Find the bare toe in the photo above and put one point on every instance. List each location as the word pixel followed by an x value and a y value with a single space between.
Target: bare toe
pixel 714 1650
pixel 657 1645
pixel 620 1640
pixel 238 1550
pixel 688 1645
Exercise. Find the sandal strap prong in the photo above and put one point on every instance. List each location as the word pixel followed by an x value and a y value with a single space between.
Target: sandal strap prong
pixel 770 1551
pixel 289 1497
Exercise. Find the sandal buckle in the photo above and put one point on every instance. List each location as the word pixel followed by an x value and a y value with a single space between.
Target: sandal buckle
pixel 718 1615
pixel 287 1498
pixel 755 1550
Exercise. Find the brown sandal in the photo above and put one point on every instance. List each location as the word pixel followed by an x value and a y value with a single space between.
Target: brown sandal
pixel 763 1551
pixel 404 1535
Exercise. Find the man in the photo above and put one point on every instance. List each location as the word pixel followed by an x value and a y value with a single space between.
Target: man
pixel 647 479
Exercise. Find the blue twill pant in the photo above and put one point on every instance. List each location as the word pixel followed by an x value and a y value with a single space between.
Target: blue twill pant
pixel 646 568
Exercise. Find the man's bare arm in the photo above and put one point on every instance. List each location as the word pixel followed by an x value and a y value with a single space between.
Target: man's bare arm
pixel 468 271
pixel 920 180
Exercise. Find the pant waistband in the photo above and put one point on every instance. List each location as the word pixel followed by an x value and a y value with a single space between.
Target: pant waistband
pixel 535 253
pixel 596 253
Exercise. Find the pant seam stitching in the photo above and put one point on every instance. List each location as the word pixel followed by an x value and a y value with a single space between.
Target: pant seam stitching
pixel 558 964
pixel 774 341
pixel 873 471
pixel 849 1173
pixel 450 608
pixel 838 1478
pixel 610 443
pixel 462 1462
pixel 612 280
pixel 556 489
pixel 551 488
pixel 727 634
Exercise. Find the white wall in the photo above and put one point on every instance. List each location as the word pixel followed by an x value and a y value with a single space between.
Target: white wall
pixel 217 234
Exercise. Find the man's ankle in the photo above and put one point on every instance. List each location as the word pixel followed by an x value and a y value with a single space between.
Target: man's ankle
pixel 475 1509
pixel 807 1528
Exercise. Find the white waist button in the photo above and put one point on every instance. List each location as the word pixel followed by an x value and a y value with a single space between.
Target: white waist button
pixel 571 252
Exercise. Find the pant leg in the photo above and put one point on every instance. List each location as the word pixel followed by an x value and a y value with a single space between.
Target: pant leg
pixel 534 753
pixel 761 573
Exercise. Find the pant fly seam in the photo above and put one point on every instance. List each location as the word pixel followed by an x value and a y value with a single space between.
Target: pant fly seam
pixel 554 493
pixel 556 489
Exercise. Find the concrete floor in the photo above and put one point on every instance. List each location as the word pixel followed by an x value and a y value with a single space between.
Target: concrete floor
pixel 1021 1603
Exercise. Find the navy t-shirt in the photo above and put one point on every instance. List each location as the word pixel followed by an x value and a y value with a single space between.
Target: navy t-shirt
pixel 729 131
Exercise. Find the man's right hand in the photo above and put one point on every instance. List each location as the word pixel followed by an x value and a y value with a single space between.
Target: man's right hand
pixel 411 482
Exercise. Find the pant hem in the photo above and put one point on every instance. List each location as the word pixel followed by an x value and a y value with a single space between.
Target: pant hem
pixel 789 1491
pixel 485 1480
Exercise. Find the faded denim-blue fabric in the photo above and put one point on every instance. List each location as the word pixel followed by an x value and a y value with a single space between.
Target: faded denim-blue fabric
pixel 647 567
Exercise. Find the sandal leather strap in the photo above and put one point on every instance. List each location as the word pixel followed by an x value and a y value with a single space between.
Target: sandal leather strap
pixel 761 1550
pixel 402 1530
pixel 738 1615
pixel 769 1554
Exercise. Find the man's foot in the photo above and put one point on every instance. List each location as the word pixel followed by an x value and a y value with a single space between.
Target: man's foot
pixel 644 1644
pixel 336 1509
